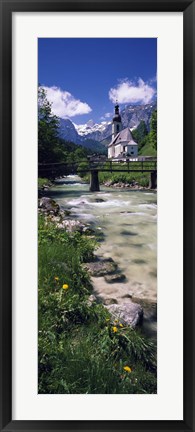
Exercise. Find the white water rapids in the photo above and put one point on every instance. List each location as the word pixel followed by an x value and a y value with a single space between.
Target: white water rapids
pixel 128 220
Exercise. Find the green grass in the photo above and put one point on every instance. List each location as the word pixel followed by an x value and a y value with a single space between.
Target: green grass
pixel 43 182
pixel 143 179
pixel 79 352
pixel 148 149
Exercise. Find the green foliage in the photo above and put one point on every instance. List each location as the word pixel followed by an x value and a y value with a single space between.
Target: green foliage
pixel 81 350
pixel 142 178
pixel 148 150
pixel 147 142
pixel 43 182
pixel 47 128
pixel 139 134
pixel 52 148
pixel 96 146
pixel 92 361
pixel 153 130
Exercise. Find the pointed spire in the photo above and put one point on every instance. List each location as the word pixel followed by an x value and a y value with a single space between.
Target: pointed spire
pixel 117 116
pixel 117 107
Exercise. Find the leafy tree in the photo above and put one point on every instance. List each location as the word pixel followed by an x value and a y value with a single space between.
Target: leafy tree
pixel 80 153
pixel 47 129
pixel 153 129
pixel 147 142
pixel 52 148
pixel 140 134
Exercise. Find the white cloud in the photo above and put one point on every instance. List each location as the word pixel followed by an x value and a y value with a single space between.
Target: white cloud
pixel 130 92
pixel 64 104
pixel 153 79
pixel 106 116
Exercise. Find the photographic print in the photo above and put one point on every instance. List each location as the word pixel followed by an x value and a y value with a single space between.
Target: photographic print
pixel 97 215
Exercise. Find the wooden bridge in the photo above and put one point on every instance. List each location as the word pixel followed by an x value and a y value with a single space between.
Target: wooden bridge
pixel 96 164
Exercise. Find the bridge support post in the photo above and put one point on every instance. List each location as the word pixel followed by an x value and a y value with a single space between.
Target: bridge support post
pixel 94 181
pixel 153 180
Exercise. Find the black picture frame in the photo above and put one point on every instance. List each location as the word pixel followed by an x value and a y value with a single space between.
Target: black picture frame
pixel 7 7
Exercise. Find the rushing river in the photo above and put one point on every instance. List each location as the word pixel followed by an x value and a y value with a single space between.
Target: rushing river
pixel 128 220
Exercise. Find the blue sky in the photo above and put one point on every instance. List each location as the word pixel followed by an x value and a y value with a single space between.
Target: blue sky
pixel 84 77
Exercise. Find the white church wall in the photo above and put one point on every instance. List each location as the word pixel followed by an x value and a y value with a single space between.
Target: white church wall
pixel 117 150
pixel 132 150
pixel 110 152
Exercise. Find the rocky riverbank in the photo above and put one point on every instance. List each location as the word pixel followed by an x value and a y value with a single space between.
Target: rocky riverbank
pixel 88 312
pixel 121 185
pixel 110 286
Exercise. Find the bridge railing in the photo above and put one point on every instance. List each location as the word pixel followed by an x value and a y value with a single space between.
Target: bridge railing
pixel 107 165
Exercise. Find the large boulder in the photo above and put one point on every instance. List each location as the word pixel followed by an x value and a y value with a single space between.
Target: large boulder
pixel 49 206
pixel 127 313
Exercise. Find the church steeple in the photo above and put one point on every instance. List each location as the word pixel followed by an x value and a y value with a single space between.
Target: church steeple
pixel 116 121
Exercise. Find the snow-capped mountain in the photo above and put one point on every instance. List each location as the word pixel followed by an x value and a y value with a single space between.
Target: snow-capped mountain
pixel 131 116
pixel 68 132
pixel 90 127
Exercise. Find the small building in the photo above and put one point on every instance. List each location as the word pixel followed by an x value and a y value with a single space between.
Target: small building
pixel 122 144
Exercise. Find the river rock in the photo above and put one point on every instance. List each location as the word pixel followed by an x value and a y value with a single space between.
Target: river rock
pixel 71 225
pixel 99 200
pixel 88 230
pixel 48 205
pixel 108 183
pixel 101 267
pixel 92 299
pixel 113 278
pixel 66 212
pixel 149 308
pixel 127 313
pixel 128 233
pixel 110 301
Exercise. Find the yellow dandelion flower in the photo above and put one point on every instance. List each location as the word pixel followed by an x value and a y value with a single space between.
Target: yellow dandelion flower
pixel 127 369
pixel 65 286
pixel 114 329
pixel 120 325
pixel 56 278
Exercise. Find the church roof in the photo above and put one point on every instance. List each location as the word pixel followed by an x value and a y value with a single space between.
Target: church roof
pixel 124 135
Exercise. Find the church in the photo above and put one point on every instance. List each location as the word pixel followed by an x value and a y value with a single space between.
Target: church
pixel 122 144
